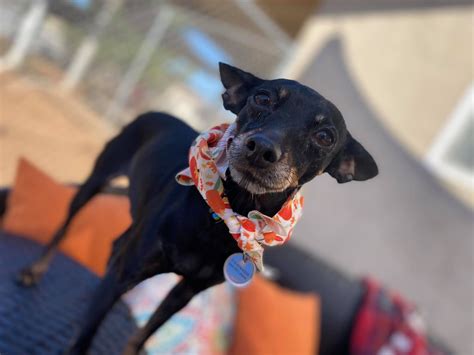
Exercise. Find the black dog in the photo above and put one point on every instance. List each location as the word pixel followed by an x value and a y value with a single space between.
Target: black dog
pixel 286 135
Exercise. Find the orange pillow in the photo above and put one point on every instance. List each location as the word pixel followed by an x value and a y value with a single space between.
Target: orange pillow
pixel 37 205
pixel 274 320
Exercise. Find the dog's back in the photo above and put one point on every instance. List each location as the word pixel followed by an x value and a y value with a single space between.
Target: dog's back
pixel 158 144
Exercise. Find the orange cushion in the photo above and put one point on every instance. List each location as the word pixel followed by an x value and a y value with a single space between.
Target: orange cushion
pixel 37 205
pixel 273 320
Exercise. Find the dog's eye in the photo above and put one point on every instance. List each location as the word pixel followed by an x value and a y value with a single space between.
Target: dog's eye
pixel 262 99
pixel 324 138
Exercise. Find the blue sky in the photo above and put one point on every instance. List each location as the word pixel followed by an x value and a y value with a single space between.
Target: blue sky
pixel 208 52
pixel 82 4
pixel 205 48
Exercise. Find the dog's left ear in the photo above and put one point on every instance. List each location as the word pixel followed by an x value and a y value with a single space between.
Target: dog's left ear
pixel 238 84
pixel 352 162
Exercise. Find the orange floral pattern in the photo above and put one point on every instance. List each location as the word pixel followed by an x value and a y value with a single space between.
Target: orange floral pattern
pixel 252 231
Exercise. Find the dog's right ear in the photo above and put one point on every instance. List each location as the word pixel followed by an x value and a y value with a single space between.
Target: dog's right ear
pixel 353 162
pixel 238 84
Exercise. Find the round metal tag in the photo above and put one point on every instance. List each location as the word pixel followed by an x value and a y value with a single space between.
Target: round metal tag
pixel 238 270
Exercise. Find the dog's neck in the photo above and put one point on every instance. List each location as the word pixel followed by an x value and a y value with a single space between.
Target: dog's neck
pixel 242 201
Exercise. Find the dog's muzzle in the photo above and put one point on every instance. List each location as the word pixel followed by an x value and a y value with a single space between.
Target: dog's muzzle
pixel 261 151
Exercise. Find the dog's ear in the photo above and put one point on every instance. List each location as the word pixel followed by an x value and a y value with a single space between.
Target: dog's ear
pixel 352 162
pixel 238 84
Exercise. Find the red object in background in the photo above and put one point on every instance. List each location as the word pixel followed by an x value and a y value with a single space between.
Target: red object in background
pixel 387 324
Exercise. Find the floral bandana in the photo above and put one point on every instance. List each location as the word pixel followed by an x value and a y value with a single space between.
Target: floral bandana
pixel 207 166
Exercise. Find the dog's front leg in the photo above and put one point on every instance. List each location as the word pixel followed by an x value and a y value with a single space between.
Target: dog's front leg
pixel 176 299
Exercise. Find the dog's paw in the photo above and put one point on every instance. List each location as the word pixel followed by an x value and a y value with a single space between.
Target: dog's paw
pixel 28 277
pixel 131 349
pixel 73 351
pixel 74 348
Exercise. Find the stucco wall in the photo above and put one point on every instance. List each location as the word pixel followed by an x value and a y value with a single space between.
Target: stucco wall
pixel 412 66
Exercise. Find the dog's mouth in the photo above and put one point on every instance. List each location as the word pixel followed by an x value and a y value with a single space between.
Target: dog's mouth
pixel 254 183
pixel 277 178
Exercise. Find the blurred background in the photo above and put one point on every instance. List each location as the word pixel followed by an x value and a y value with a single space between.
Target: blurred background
pixel 73 71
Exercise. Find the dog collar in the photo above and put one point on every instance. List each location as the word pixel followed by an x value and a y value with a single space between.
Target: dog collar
pixel 207 166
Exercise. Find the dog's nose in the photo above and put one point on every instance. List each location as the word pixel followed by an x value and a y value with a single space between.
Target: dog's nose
pixel 262 151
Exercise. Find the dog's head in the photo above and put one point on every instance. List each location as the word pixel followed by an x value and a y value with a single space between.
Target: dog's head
pixel 287 134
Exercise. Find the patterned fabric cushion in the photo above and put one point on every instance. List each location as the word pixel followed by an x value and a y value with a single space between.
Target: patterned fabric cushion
pixel 204 326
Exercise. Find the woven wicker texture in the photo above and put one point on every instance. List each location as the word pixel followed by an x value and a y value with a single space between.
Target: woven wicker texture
pixel 44 319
